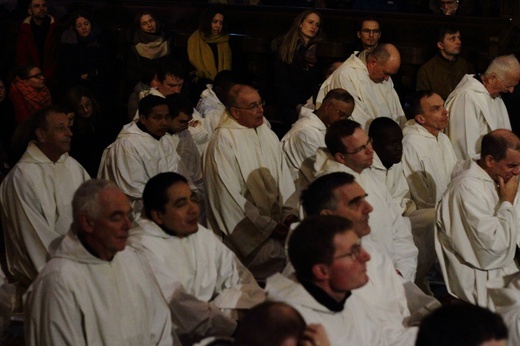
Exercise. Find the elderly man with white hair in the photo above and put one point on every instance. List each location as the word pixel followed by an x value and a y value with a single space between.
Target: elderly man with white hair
pixel 476 108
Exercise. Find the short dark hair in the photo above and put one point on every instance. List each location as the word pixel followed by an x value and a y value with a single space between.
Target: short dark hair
pixel 223 82
pixel 269 323
pixel 137 20
pixel 39 119
pixel 312 242
pixel 178 103
pixel 496 145
pixel 414 103
pixel 148 102
pixel 155 195
pixel 336 132
pixel 171 67
pixel 368 19
pixel 207 17
pixel 446 30
pixel 460 325
pixel 339 95
pixel 319 195
pixel 379 127
pixel 23 71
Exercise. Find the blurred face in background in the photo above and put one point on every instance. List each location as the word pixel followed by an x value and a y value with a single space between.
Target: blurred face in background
pixel 83 27
pixel 147 24
pixel 217 23
pixel 310 26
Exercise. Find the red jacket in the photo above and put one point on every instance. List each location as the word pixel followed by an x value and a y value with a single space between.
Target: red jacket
pixel 27 53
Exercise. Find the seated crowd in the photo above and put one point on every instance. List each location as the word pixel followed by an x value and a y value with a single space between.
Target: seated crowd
pixel 187 221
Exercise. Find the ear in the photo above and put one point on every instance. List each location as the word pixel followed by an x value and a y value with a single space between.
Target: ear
pixel 320 271
pixel 359 34
pixel 340 158
pixel 440 45
pixel 419 118
pixel 156 217
pixel 234 113
pixel 86 224
pixel 326 212
pixel 489 161
pixel 40 135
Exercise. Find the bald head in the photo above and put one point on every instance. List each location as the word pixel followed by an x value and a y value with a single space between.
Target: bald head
pixel 382 62
pixel 244 104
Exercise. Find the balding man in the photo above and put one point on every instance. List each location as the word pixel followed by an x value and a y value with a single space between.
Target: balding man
pixel 478 219
pixel 369 82
pixel 248 185
pixel 476 107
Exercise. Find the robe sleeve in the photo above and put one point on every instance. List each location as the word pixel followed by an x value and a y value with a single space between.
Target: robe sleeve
pixel 298 149
pixel 421 183
pixel 488 238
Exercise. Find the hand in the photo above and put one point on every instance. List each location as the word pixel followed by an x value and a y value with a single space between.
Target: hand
pixel 290 219
pixel 507 191
pixel 315 335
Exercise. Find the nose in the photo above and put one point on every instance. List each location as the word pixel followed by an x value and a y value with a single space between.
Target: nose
pixel 68 133
pixel 368 208
pixel 516 170
pixel 364 256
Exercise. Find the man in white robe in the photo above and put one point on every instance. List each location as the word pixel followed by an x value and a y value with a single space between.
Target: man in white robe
pixel 137 154
pixel 478 222
pixel 249 188
pixel 428 156
pixel 211 103
pixel 36 196
pixel 349 150
pixel 95 291
pixel 387 141
pixel 199 276
pixel 370 84
pixel 476 107
pixel 329 263
pixel 308 134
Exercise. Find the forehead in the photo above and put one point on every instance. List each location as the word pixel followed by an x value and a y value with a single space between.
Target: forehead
pixel 171 79
pixel 160 109
pixel 312 16
pixel 433 100
pixel 81 19
pixel 345 240
pixel 55 118
pixel 512 156
pixel 370 24
pixel 38 2
pixel 111 199
pixel 249 96
pixel 178 190
pixel 218 16
pixel 359 137
pixel 348 192
pixel 183 116
pixel 145 17
pixel 450 35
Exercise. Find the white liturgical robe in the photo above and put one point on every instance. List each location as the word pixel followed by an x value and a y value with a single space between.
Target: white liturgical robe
pixel 36 198
pixel 300 144
pixel 477 234
pixel 473 114
pixel 373 100
pixel 198 276
pixel 354 325
pixel 211 109
pixel 79 299
pixel 388 227
pixel 427 162
pixel 505 294
pixel 250 190
pixel 133 159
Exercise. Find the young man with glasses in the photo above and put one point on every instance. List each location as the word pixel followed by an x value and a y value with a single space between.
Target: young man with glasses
pixel 349 149
pixel 250 191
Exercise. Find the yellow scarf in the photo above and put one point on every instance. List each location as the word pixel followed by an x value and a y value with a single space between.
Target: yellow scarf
pixel 201 56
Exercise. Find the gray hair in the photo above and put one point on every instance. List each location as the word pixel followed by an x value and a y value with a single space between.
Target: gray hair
pixel 503 65
pixel 86 200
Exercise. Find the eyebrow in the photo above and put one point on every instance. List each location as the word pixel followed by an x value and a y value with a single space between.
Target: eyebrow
pixel 356 200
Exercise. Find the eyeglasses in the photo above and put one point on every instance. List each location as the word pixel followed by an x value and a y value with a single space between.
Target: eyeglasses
pixel 368 31
pixel 354 252
pixel 37 76
pixel 253 107
pixel 361 148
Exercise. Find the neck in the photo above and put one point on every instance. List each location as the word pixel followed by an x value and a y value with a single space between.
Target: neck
pixel 93 249
pixel 433 131
pixel 448 57
pixel 53 156
pixel 37 21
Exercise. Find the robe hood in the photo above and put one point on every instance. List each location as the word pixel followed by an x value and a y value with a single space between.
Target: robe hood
pixel 71 248
pixel 469 83
pixel 469 168
pixel 33 154
pixel 413 128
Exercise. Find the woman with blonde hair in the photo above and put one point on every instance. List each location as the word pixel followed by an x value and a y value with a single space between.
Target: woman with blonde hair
pixel 297 70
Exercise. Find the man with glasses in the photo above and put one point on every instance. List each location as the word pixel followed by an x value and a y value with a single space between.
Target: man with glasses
pixel 250 191
pixel 329 262
pixel 369 34
pixel 308 134
pixel 368 81
pixel 37 42
pixel 137 154
pixel 476 107
pixel 477 235
pixel 349 149
pixel 444 71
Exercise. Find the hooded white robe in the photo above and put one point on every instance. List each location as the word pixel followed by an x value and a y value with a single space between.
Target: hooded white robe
pixel 373 100
pixel 36 209
pixel 473 114
pixel 79 299
pixel 249 189
pixel 198 276
pixel 477 234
